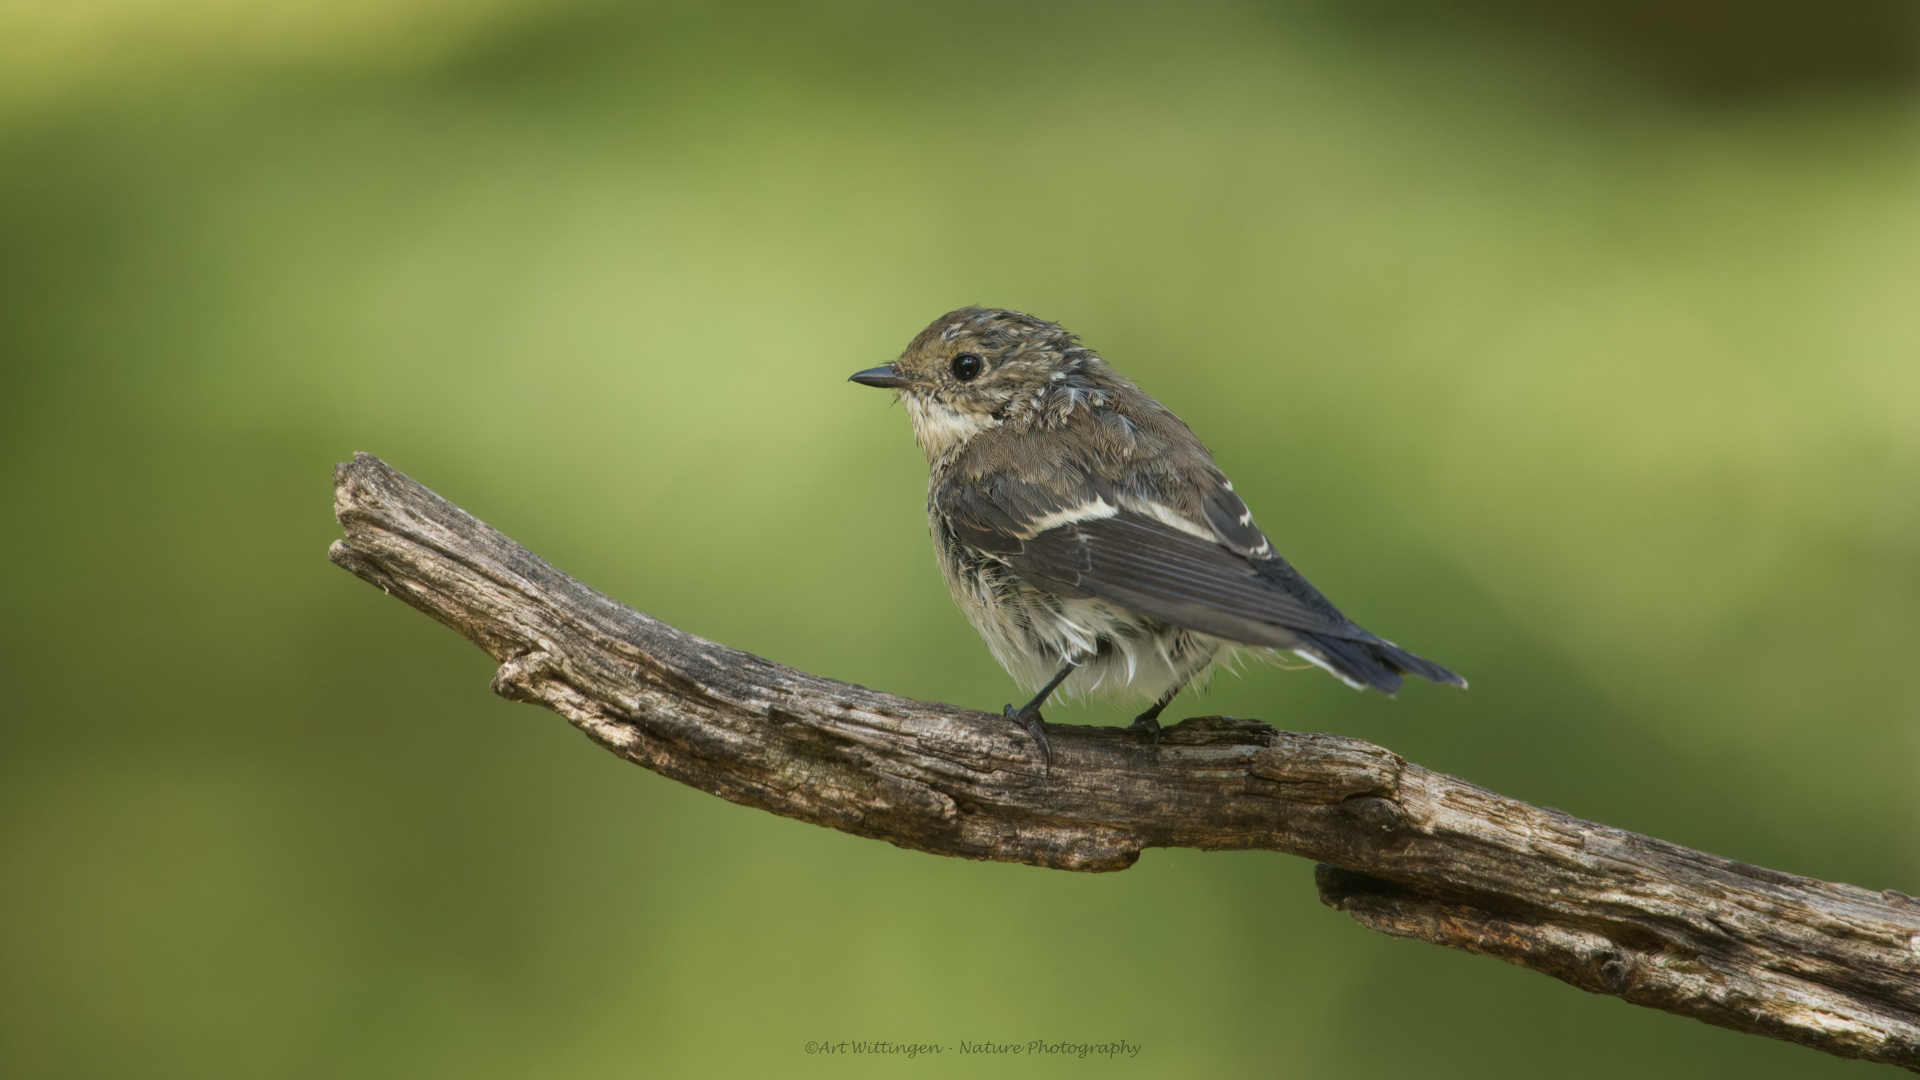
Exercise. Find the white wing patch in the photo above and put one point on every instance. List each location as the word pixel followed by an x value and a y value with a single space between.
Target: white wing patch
pixel 1165 515
pixel 1072 515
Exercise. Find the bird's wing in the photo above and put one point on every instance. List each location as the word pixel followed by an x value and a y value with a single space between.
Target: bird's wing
pixel 1090 547
pixel 1157 570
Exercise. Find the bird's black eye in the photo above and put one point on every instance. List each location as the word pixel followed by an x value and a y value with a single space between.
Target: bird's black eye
pixel 967 366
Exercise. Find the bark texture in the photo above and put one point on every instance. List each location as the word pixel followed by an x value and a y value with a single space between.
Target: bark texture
pixel 1407 851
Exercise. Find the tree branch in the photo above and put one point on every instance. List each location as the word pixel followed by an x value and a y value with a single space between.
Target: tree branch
pixel 1407 851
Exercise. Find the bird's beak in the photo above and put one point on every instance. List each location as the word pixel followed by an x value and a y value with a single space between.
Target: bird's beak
pixel 883 376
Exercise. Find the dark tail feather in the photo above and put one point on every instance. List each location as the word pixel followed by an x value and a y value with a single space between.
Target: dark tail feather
pixel 1377 663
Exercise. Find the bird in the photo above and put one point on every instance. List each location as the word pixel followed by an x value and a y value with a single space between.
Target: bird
pixel 1087 534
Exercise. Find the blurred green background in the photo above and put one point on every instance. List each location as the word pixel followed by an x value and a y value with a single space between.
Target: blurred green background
pixel 1573 345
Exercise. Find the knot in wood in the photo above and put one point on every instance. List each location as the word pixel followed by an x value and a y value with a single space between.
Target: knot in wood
pixel 1615 971
pixel 1380 815
pixel 521 675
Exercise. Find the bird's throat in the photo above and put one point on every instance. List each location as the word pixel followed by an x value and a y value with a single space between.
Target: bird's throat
pixel 941 429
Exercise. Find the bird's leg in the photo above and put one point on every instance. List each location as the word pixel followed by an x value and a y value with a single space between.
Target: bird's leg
pixel 1149 722
pixel 1028 715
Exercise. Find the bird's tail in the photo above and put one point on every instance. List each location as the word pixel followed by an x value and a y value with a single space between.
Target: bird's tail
pixel 1365 662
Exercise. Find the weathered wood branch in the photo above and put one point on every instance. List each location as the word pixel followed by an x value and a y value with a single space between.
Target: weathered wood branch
pixel 1407 851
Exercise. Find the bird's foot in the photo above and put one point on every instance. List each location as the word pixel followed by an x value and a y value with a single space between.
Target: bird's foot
pixel 1148 724
pixel 1030 718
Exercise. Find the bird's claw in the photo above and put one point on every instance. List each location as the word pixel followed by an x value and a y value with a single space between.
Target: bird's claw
pixel 1031 720
pixel 1147 725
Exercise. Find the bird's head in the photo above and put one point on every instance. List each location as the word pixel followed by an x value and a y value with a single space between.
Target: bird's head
pixel 977 368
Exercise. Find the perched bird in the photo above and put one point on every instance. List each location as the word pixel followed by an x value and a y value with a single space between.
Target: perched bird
pixel 1085 531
